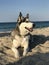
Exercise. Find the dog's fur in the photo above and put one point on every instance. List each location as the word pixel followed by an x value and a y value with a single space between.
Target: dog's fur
pixel 21 37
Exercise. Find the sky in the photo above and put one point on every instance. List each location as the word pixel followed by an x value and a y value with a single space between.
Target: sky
pixel 38 10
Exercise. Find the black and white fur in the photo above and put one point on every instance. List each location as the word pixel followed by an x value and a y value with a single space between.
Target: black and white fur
pixel 21 36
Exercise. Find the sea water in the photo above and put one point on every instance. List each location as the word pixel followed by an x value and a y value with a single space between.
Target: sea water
pixel 8 26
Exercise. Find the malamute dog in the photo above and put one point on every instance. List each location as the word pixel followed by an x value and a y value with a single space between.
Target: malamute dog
pixel 21 36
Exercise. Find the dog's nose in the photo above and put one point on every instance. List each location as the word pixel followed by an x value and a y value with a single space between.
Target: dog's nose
pixel 33 25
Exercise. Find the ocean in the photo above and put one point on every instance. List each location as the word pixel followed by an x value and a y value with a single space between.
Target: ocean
pixel 8 26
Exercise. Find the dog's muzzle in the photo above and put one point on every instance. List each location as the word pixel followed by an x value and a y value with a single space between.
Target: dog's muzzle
pixel 29 29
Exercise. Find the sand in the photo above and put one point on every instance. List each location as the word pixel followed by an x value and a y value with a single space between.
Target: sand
pixel 37 55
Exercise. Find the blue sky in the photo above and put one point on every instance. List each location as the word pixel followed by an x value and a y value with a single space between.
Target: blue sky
pixel 37 9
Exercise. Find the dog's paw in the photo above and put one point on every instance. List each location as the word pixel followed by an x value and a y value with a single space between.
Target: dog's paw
pixel 17 56
pixel 24 53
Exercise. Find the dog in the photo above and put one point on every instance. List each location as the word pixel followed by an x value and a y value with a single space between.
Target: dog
pixel 21 36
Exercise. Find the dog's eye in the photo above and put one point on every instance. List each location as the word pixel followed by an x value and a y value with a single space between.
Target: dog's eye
pixel 27 21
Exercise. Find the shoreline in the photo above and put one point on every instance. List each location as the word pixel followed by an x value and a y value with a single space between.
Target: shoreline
pixel 7 33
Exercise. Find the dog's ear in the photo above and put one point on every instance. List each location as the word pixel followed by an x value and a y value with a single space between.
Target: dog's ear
pixel 19 20
pixel 20 17
pixel 20 14
pixel 22 20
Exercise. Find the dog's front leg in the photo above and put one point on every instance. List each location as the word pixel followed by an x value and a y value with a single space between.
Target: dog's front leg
pixel 14 48
pixel 15 52
pixel 26 48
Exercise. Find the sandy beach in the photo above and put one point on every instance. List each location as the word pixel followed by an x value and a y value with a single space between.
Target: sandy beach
pixel 37 55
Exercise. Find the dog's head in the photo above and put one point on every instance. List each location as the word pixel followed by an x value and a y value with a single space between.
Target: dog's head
pixel 25 26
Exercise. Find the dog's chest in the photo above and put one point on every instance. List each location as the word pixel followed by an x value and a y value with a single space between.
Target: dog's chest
pixel 22 39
